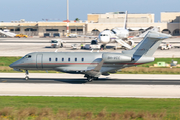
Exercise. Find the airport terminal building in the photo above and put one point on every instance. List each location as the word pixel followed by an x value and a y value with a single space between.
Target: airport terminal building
pixel 170 23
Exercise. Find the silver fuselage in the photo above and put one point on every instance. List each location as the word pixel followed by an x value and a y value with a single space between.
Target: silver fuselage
pixel 78 62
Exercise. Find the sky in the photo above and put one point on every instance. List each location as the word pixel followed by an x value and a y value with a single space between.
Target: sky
pixel 36 10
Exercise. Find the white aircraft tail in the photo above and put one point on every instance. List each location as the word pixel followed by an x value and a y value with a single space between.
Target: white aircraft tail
pixel 148 45
pixel 125 21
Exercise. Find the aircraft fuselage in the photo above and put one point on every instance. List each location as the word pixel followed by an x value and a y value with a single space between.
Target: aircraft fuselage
pixel 79 62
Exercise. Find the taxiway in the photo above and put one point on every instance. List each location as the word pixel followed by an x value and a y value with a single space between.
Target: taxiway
pixel 20 47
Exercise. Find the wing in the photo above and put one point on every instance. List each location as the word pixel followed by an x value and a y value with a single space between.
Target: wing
pixel 96 71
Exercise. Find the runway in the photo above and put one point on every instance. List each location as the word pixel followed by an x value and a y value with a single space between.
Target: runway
pixel 116 85
pixel 79 79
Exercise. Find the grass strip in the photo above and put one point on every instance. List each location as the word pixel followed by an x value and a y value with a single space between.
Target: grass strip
pixel 72 107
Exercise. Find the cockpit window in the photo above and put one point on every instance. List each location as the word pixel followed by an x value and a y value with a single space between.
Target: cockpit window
pixel 27 56
pixel 104 35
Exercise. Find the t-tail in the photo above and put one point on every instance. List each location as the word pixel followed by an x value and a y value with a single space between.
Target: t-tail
pixel 125 21
pixel 148 45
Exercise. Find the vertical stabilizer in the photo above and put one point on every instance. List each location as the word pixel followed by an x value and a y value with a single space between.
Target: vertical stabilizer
pixel 148 45
pixel 125 21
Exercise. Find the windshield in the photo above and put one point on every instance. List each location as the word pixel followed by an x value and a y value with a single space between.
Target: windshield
pixel 54 41
pixel 104 35
pixel 27 56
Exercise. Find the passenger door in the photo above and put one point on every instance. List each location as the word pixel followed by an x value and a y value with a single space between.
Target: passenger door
pixel 39 63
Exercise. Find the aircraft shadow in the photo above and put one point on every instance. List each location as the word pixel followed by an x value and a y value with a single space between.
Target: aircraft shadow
pixel 47 47
pixel 99 81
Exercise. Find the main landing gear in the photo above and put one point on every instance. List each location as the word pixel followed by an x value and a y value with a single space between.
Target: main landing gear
pixel 27 77
pixel 90 78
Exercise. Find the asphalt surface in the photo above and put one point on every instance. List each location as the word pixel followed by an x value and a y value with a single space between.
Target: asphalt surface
pixel 107 81
pixel 115 85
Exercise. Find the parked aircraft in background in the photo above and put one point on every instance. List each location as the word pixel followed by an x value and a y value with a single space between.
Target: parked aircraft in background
pixel 116 35
pixel 91 64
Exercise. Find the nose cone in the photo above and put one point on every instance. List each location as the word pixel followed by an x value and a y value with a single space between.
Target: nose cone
pixel 12 65
pixel 104 39
pixel 15 64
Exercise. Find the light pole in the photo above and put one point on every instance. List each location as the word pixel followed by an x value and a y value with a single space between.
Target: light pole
pixel 67 9
pixel 67 16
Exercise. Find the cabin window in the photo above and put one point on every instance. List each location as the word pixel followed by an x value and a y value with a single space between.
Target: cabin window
pixel 69 59
pixel 62 59
pixel 56 59
pixel 75 59
pixel 82 59
pixel 49 59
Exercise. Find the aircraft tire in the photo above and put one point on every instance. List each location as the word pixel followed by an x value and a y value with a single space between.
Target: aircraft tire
pixel 61 45
pixel 90 79
pixel 102 47
pixel 26 78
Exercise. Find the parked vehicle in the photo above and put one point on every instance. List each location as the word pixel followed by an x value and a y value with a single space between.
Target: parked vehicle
pixel 95 45
pixel 166 46
pixel 21 36
pixel 72 35
pixel 75 46
pixel 87 46
pixel 57 43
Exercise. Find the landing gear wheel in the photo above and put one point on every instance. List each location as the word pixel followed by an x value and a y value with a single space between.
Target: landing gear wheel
pixel 90 79
pixel 102 47
pixel 26 78
pixel 61 45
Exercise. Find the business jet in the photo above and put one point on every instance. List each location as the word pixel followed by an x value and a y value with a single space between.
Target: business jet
pixel 117 35
pixel 92 64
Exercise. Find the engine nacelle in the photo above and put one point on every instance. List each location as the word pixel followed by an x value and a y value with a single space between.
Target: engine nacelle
pixel 130 42
pixel 108 57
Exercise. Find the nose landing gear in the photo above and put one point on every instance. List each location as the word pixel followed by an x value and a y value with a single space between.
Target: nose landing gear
pixel 27 77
